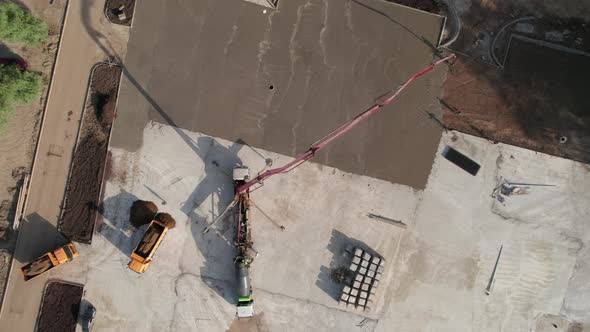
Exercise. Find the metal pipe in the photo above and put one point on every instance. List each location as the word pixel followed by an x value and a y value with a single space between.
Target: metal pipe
pixel 493 277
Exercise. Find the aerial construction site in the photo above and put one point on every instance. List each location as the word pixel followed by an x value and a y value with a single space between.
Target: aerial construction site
pixel 295 165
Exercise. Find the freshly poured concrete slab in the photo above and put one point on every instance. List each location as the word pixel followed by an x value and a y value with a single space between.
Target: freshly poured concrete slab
pixel 281 79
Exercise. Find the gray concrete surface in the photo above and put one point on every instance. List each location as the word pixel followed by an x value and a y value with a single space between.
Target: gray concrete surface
pixel 437 267
pixel 207 66
pixel 446 258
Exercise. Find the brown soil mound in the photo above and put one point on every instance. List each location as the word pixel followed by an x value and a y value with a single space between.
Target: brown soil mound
pixel 59 310
pixel 142 212
pixel 83 191
pixel 166 219
pixel 112 11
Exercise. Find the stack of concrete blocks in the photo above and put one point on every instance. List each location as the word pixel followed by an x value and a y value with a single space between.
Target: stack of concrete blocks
pixel 367 270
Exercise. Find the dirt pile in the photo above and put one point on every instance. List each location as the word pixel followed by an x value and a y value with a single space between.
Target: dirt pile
pixel 117 9
pixel 142 212
pixel 166 219
pixel 59 309
pixel 83 191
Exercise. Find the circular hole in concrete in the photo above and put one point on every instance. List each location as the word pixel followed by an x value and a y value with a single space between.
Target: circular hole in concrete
pixel 554 325
pixel 271 87
pixel 562 139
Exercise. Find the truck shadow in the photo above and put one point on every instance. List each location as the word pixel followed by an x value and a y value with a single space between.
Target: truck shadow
pixel 338 244
pixel 114 224
pixel 41 237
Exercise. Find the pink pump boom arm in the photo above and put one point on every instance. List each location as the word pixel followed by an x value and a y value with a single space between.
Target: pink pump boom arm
pixel 334 134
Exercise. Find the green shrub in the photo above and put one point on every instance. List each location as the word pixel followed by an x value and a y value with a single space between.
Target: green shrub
pixel 16 87
pixel 18 26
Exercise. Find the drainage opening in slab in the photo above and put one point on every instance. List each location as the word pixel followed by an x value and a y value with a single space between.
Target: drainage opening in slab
pixel 554 325
pixel 271 87
pixel 461 160
pixel 562 139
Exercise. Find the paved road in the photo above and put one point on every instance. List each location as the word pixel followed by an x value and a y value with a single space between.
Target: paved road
pixel 38 233
pixel 282 79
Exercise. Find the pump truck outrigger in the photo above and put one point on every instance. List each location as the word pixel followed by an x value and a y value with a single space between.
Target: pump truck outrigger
pixel 243 185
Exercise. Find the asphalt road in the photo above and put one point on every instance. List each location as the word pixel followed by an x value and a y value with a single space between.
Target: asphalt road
pixel 281 79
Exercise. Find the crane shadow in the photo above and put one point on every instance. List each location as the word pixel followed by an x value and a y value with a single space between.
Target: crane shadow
pixel 210 197
pixel 41 237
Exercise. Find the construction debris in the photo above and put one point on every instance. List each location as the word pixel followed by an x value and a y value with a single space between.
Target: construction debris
pixel 505 188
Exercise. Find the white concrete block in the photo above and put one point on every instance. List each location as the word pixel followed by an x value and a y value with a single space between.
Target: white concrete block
pixel 358 252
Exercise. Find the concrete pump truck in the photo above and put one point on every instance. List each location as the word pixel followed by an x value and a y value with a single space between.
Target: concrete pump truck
pixel 243 185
